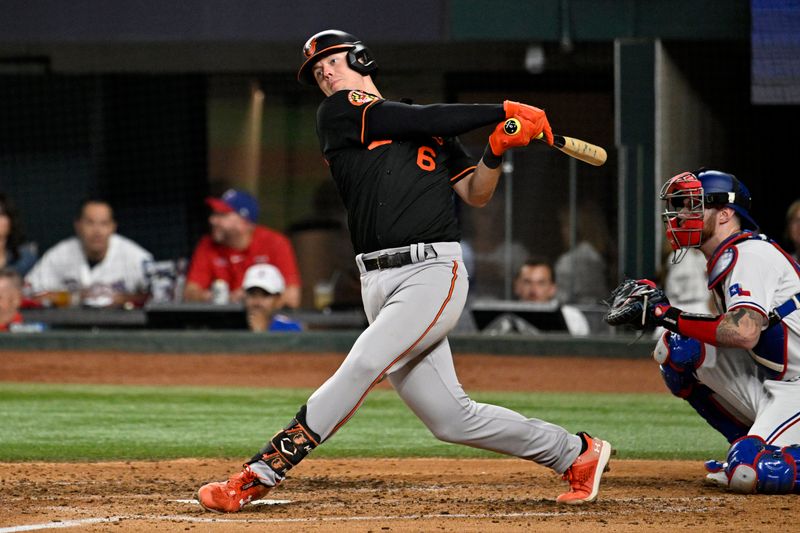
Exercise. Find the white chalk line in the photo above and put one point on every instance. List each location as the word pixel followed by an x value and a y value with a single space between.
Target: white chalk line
pixel 219 519
pixel 205 520
pixel 60 525
pixel 257 502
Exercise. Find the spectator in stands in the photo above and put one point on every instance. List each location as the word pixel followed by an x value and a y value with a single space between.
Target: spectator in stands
pixel 14 252
pixel 793 228
pixel 582 270
pixel 98 267
pixel 235 243
pixel 535 282
pixel 10 298
pixel 263 286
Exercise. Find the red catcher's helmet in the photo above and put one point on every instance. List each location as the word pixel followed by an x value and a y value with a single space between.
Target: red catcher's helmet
pixel 686 197
pixel 328 42
pixel 683 213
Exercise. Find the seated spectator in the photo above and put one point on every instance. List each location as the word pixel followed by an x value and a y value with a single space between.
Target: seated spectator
pixel 793 229
pixel 263 286
pixel 535 282
pixel 98 266
pixel 10 298
pixel 582 269
pixel 235 243
pixel 15 253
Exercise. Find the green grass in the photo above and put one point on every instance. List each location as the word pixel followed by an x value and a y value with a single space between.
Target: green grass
pixel 82 422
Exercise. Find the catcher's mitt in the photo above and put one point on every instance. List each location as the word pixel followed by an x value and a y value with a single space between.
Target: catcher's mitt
pixel 632 303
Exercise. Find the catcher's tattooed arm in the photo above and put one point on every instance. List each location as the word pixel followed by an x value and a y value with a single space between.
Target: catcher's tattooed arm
pixel 639 303
pixel 740 328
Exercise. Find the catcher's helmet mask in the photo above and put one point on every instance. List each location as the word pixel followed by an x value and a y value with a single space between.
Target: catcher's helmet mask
pixel 686 196
pixel 325 43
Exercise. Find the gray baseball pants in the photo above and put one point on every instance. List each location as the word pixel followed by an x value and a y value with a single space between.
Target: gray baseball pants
pixel 410 311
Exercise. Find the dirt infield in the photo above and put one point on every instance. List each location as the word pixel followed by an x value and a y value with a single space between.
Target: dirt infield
pixel 371 494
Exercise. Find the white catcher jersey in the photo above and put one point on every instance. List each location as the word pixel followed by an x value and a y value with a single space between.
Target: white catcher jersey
pixel 760 387
pixel 761 277
pixel 64 267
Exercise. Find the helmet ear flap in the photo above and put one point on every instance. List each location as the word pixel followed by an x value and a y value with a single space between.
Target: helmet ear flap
pixel 360 59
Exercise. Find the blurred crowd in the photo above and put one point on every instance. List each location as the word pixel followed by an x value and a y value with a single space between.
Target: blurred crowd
pixel 242 263
pixel 238 262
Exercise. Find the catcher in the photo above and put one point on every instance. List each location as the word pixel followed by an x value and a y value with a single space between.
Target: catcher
pixel 740 369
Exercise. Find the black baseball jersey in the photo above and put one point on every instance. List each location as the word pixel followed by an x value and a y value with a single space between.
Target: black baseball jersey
pixel 397 191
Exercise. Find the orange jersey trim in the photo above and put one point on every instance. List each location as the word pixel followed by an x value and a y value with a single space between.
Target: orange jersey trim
pixel 406 352
pixel 463 174
pixel 364 117
pixel 375 144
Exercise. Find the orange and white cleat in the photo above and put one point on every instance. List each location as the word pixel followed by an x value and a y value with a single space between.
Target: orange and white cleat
pixel 230 496
pixel 585 473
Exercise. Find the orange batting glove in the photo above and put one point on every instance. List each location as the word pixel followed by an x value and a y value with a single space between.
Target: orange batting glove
pixel 513 132
pixel 533 114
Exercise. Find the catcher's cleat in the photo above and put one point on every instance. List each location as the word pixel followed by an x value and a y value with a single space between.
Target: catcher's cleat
pixel 230 496
pixel 585 473
pixel 715 474
pixel 716 479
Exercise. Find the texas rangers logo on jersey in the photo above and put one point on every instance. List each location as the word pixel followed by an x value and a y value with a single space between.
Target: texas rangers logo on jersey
pixel 360 97
pixel 737 290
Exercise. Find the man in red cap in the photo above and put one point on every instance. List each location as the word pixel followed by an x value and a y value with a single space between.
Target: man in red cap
pixel 235 243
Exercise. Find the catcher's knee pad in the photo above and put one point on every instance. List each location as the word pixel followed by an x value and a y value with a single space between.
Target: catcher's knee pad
pixel 678 357
pixel 679 352
pixel 679 382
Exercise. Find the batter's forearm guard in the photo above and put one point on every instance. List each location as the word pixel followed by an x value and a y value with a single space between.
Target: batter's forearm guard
pixel 288 447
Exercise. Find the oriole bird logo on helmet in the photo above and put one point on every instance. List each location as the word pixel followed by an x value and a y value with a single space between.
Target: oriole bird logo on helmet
pixel 310 48
pixel 327 42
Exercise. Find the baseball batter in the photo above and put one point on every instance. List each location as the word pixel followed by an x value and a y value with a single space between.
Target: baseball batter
pixel 396 166
pixel 740 369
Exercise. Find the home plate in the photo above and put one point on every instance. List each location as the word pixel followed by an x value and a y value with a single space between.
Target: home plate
pixel 257 502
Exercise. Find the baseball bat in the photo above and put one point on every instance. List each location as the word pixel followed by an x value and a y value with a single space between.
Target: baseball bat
pixel 586 152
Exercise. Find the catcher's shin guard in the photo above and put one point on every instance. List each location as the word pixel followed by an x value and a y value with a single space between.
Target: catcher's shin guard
pixel 757 467
pixel 702 400
pixel 679 356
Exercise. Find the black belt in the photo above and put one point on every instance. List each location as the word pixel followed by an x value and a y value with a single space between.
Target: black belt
pixel 396 259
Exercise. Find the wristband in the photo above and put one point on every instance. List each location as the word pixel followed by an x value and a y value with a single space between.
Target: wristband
pixel 700 327
pixel 489 159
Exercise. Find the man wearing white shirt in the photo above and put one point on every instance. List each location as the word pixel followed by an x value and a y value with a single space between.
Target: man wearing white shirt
pixel 535 282
pixel 103 268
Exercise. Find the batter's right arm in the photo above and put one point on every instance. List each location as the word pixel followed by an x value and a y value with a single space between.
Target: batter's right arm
pixel 477 188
